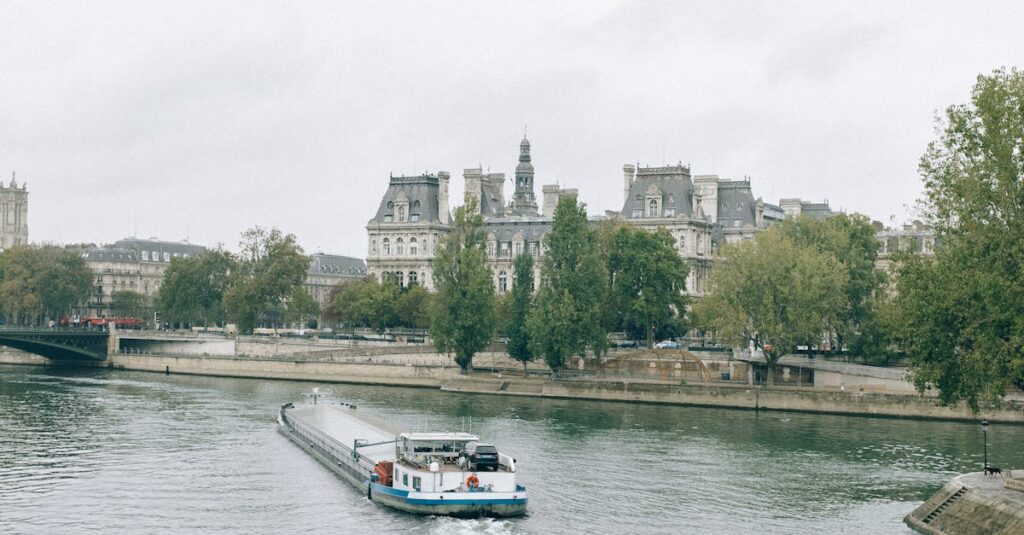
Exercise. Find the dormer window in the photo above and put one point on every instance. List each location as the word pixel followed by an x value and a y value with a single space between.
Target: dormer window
pixel 652 208
pixel 401 213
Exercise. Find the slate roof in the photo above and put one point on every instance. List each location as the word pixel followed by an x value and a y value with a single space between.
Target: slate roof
pixel 423 189
pixel 736 203
pixel 505 228
pixel 109 254
pixel 158 250
pixel 675 185
pixel 330 264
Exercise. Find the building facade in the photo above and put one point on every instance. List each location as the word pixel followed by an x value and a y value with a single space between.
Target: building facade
pixel 13 214
pixel 700 211
pixel 327 271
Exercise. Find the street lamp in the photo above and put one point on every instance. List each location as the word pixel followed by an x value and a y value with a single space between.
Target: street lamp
pixel 984 433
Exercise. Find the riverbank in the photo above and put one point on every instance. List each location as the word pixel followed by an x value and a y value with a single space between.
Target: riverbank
pixel 427 373
pixel 973 504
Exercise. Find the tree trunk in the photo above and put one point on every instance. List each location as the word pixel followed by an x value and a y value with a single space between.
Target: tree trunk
pixel 525 372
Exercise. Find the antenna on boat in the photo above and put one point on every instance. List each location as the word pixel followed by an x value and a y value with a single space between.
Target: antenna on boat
pixel 316 394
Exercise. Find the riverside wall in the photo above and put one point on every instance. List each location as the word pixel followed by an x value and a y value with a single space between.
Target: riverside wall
pixel 739 397
pixel 429 370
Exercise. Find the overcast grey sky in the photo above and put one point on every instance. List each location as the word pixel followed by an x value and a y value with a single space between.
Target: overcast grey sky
pixel 170 119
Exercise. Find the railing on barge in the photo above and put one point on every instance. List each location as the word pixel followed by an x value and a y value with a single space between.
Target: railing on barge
pixel 340 455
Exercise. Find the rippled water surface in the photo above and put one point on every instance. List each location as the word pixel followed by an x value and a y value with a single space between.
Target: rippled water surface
pixel 114 451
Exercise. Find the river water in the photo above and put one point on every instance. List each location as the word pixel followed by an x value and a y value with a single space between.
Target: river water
pixel 133 452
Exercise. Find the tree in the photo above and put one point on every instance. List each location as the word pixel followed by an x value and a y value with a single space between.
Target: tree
pixel 414 307
pixel 647 280
pixel 271 266
pixel 773 293
pixel 464 319
pixel 41 282
pixel 959 314
pixel 301 307
pixel 129 304
pixel 519 306
pixel 850 240
pixel 569 312
pixel 194 286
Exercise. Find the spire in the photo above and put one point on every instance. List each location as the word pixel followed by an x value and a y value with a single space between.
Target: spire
pixel 525 203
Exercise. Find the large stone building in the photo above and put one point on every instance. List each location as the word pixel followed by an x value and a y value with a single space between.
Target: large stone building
pixel 413 218
pixel 13 214
pixel 700 211
pixel 139 265
pixel 131 264
pixel 327 271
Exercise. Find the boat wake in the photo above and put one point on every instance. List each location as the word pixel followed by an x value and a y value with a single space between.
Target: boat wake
pixel 456 526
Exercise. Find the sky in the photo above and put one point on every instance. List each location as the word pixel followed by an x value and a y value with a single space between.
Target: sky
pixel 198 120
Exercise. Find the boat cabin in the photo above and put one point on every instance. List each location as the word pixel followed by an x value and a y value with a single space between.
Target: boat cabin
pixel 439 462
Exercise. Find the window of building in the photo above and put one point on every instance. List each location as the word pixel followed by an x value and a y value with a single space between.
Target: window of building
pixel 414 218
pixel 391 205
pixel 416 205
pixel 373 246
pixel 637 214
pixel 401 213
pixel 670 212
pixel 682 241
pixel 490 249
pixel 387 246
pixel 652 208
pixel 400 277
pixel 671 198
pixel 504 249
pixel 535 246
pixel 145 255
pixel 412 246
pixel 502 282
pixel 639 197
pixel 413 278
pixel 399 247
pixel 518 248
pixel 387 218
pixel 167 257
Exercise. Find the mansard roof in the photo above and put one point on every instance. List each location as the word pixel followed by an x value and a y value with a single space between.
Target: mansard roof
pixel 154 245
pixel 506 228
pixel 320 263
pixel 109 254
pixel 736 203
pixel 423 189
pixel 674 184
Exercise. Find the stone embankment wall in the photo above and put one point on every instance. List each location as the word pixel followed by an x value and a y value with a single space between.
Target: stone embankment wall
pixel 971 504
pixel 428 369
pixel 737 396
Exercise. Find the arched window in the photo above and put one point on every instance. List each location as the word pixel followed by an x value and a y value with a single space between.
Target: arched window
pixel 412 251
pixel 401 212
pixel 400 277
pixel 413 278
pixel 416 205
pixel 502 282
pixel 399 247
pixel 387 246
pixel 652 208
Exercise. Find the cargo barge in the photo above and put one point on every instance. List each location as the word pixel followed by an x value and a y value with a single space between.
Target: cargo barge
pixel 438 473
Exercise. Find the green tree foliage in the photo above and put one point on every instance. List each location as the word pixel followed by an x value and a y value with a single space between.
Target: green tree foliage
pixel 193 288
pixel 960 314
pixel 368 303
pixel 773 293
pixel 849 239
pixel 37 283
pixel 519 304
pixel 301 307
pixel 271 267
pixel 464 318
pixel 570 306
pixel 129 304
pixel 648 278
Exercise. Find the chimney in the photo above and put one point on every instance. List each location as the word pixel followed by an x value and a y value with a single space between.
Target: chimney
pixel 628 170
pixel 443 215
pixel 550 193
pixel 473 186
